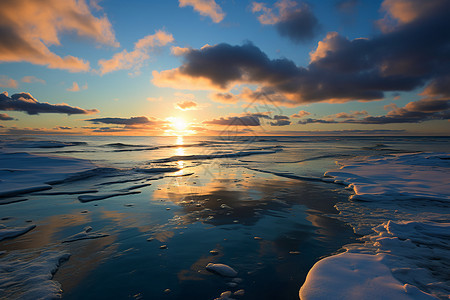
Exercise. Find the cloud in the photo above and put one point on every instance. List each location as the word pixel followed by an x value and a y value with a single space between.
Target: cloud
pixel 28 28
pixel 154 99
pixel 186 105
pixel 5 117
pixel 301 114
pixel 208 8
pixel 76 88
pixel 347 6
pixel 7 82
pixel 26 103
pixel 321 121
pixel 135 59
pixel 294 20
pixel 124 121
pixel 235 121
pixel 413 112
pixel 410 55
pixel 179 51
pixel 280 121
pixel 245 119
pixel 32 79
pixel 224 97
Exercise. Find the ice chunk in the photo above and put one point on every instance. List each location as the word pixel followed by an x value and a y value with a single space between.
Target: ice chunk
pixel 356 276
pixel 10 232
pixel 25 278
pixel 84 235
pixel 222 270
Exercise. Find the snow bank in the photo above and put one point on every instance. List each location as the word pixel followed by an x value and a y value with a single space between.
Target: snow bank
pixel 22 173
pixel 22 278
pixel 406 204
pixel 10 232
pixel 356 276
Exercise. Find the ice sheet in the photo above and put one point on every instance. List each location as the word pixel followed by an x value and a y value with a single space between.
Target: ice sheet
pixel 405 176
pixel 22 173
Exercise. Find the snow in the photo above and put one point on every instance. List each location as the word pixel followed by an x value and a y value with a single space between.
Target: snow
pixel 221 269
pixel 402 208
pixel 11 232
pixel 30 278
pixel 22 173
pixel 405 176
pixel 356 276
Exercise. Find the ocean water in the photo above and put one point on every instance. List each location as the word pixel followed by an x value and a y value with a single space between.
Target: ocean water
pixel 161 204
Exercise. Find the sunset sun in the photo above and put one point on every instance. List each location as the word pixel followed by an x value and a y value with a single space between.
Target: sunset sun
pixel 178 124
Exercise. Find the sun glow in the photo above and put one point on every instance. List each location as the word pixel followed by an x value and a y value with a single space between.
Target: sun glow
pixel 178 127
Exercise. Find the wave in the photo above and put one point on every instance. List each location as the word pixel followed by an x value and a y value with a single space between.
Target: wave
pixel 214 155
pixel 43 144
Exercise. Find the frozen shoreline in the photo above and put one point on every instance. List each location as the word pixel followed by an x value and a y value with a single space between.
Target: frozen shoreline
pixel 407 196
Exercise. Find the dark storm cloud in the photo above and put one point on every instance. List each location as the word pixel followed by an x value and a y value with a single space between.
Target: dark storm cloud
pixel 299 25
pixel 411 51
pixel 25 102
pixel 413 112
pixel 123 121
pixel 5 117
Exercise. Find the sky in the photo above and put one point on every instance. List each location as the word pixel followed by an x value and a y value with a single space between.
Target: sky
pixel 212 67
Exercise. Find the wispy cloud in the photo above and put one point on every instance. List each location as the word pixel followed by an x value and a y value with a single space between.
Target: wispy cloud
pixel 76 88
pixel 135 59
pixel 208 8
pixel 26 103
pixel 30 27
pixel 413 112
pixel 32 79
pixel 125 121
pixel 7 82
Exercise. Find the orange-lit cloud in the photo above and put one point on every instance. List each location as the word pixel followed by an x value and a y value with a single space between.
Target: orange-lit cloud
pixel 208 8
pixel 134 60
pixel 7 82
pixel 175 79
pixel 178 51
pixel 76 88
pixel 5 117
pixel 301 114
pixel 32 79
pixel 30 27
pixel 186 105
